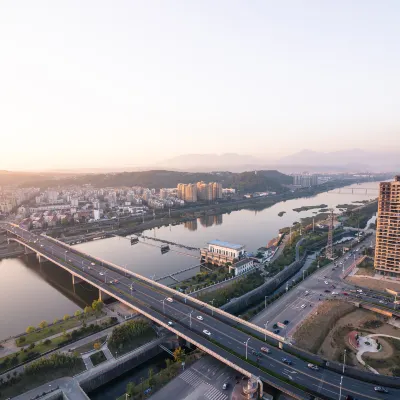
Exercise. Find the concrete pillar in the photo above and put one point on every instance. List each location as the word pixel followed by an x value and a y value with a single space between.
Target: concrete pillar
pixel 103 296
pixel 76 280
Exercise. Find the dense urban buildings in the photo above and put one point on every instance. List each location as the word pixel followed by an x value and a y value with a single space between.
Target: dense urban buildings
pixel 305 180
pixel 201 191
pixel 387 248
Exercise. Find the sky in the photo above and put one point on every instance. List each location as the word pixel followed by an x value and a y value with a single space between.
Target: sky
pixel 131 83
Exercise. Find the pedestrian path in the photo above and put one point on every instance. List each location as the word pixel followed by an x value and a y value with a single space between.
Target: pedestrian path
pixel 195 380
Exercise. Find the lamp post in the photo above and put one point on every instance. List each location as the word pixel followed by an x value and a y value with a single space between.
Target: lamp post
pixel 131 287
pixel 340 388
pixel 246 342
pixel 212 310
pixel 266 329
pixel 265 301
pixel 163 305
pixel 190 318
pixel 303 274
pixel 344 359
pixel 65 254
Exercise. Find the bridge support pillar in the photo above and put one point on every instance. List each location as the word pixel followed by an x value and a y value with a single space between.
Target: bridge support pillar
pixel 39 258
pixel 103 296
pixel 76 280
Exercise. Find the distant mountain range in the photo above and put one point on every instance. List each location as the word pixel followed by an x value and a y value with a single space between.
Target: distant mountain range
pixel 353 160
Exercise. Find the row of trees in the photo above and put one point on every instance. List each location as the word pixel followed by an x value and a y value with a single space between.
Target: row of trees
pixel 97 307
pixel 47 364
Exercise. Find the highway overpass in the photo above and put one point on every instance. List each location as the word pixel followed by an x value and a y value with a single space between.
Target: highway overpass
pixel 190 319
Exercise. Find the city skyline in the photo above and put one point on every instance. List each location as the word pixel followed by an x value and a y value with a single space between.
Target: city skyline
pixel 94 85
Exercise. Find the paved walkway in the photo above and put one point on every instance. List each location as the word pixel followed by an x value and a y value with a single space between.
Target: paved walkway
pixel 372 348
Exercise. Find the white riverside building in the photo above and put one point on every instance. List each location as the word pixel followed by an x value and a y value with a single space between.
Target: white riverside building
pixel 221 253
pixel 243 266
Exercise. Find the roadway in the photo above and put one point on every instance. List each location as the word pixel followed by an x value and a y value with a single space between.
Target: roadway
pixel 190 321
pixel 299 302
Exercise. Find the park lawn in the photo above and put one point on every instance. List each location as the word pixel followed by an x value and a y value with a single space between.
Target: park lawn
pixel 98 358
pixel 89 346
pixel 73 322
pixel 29 382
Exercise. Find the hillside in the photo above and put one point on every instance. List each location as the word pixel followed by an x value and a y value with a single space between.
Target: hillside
pixel 246 181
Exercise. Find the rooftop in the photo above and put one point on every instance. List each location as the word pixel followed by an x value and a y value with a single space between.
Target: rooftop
pixel 242 262
pixel 228 245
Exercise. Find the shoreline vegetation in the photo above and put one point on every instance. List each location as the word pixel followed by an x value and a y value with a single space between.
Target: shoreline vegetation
pixel 281 213
pixel 307 208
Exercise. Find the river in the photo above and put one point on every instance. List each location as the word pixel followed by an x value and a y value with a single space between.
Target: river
pixel 30 293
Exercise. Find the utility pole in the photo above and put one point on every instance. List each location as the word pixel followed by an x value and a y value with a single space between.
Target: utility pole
pixel 266 329
pixel 313 224
pixel 344 360
pixel 190 318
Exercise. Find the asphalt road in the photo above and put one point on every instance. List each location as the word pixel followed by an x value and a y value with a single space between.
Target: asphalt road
pixel 192 321
pixel 300 301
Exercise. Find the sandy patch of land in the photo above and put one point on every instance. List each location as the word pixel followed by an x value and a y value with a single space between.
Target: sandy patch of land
pixel 373 283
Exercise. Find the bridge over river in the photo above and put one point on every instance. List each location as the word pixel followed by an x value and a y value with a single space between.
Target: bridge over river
pixel 227 338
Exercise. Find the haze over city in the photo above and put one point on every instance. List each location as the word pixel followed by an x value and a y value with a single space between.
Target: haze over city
pixel 98 85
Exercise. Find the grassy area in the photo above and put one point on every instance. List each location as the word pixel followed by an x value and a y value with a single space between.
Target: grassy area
pixel 236 289
pixel 24 382
pixel 98 358
pixel 59 327
pixel 129 336
pixel 89 346
pixel 359 218
pixel 33 350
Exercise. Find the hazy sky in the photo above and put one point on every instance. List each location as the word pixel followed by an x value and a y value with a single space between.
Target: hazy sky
pixel 125 83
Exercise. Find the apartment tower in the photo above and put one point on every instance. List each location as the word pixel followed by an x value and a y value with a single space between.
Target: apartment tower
pixel 387 248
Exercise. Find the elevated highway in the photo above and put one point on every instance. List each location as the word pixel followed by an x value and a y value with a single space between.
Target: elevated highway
pixel 214 331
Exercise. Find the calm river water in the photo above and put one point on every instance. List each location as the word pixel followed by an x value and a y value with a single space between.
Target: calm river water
pixel 30 293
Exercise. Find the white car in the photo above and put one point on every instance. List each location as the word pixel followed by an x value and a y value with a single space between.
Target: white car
pixel 335 293
pixel 170 323
pixel 326 282
pixel 359 290
pixel 312 366
pixel 303 306
pixel 206 332
pixel 92 264
pixel 101 273
pixel 169 299
pixel 200 318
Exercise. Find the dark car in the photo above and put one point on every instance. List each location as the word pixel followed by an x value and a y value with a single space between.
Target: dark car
pixel 275 326
pixel 287 361
pixel 276 331
pixel 286 322
pixel 327 291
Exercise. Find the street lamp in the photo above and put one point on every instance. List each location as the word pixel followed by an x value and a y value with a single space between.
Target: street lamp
pixel 246 342
pixel 344 359
pixel 131 287
pixel 303 274
pixel 265 301
pixel 190 318
pixel 340 387
pixel 163 304
pixel 265 330
pixel 66 251
pixel 212 310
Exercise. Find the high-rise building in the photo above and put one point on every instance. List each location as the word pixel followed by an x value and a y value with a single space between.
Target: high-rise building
pixel 190 193
pixel 217 190
pixel 181 191
pixel 387 247
pixel 204 191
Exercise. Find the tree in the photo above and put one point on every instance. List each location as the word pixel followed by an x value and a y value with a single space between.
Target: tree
pixel 66 317
pixel 97 346
pixel 77 313
pixel 43 324
pixel 130 389
pixel 97 305
pixel 87 310
pixel 55 320
pixel 179 354
pixel 151 377
pixel 30 329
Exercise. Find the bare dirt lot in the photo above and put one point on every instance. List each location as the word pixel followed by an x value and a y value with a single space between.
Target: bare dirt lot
pixel 373 283
pixel 326 333
pixel 313 331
